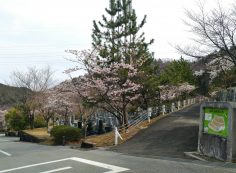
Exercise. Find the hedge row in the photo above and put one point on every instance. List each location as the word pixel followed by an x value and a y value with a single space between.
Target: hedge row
pixel 68 133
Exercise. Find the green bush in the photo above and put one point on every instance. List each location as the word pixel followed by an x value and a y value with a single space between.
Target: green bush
pixel 39 122
pixel 70 133
pixel 15 119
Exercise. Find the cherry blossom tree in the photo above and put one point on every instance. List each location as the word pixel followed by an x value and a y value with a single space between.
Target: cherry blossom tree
pixel 59 100
pixel 112 88
pixel 170 92
pixel 113 79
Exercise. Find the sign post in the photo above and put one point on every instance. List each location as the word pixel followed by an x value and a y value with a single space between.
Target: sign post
pixel 217 130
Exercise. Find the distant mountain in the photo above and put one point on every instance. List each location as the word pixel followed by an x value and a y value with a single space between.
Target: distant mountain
pixel 10 96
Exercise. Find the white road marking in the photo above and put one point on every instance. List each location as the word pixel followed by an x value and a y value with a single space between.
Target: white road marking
pixel 56 170
pixel 3 152
pixel 29 166
pixel 113 169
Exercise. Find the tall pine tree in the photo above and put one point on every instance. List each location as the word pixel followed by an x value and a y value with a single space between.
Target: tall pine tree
pixel 118 38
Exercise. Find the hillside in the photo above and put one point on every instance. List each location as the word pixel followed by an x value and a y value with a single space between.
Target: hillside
pixel 10 95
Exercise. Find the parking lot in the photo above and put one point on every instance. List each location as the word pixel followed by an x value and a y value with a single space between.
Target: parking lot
pixel 21 157
pixel 69 165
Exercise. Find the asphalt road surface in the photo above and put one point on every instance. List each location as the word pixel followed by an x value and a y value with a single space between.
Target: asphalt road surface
pixel 21 157
pixel 169 137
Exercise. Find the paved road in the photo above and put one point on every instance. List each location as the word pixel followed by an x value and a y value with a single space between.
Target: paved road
pixel 169 137
pixel 33 158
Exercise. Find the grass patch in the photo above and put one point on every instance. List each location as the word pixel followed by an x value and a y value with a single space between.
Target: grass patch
pixel 41 133
pixel 38 132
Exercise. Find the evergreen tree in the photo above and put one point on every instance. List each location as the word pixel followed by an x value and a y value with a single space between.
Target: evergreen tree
pixel 117 36
pixel 120 70
pixel 118 39
pixel 178 71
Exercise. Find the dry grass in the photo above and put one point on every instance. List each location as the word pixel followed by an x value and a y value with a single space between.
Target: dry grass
pixel 38 132
pixel 41 133
pixel 107 139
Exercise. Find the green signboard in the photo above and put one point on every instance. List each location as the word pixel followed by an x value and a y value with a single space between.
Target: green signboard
pixel 216 121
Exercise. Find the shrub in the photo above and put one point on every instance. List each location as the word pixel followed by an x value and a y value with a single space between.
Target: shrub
pixel 70 134
pixel 39 122
pixel 15 119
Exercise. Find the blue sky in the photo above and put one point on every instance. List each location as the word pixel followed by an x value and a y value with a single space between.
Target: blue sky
pixel 37 32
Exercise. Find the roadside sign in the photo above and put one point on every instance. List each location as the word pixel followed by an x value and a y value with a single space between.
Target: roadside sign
pixel 215 121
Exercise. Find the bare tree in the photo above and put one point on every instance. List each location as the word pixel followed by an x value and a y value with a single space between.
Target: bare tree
pixel 37 81
pixel 214 32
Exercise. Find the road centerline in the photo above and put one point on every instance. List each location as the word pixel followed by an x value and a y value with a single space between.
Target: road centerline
pixel 56 170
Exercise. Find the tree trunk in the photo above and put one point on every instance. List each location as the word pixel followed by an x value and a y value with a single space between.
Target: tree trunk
pixel 48 124
pixel 31 120
pixel 126 120
pixel 125 117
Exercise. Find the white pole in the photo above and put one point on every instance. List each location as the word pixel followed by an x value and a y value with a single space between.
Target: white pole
pixel 117 135
pixel 184 103
pixel 172 107
pixel 163 109
pixel 149 114
pixel 179 103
